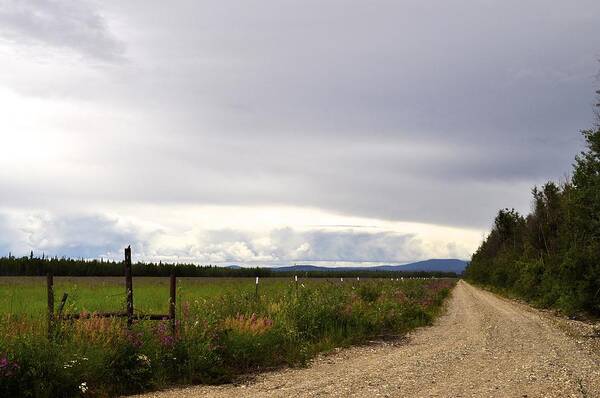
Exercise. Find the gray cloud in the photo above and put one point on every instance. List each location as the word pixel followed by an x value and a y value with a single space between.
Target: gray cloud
pixel 7 238
pixel 89 236
pixel 348 246
pixel 437 112
pixel 288 244
pixel 74 25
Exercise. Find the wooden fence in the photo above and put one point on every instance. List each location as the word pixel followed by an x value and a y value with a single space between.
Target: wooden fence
pixel 129 313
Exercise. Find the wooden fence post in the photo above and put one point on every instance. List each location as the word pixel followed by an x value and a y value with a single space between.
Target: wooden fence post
pixel 129 286
pixel 172 302
pixel 50 288
pixel 53 319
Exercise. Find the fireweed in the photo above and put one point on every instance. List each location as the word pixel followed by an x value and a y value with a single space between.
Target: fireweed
pixel 215 339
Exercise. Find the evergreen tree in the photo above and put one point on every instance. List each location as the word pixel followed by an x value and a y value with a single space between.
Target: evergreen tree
pixel 552 256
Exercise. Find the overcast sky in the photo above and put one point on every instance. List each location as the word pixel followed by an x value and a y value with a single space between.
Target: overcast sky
pixel 275 131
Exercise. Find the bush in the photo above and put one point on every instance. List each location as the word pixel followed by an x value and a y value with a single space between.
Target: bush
pixel 551 257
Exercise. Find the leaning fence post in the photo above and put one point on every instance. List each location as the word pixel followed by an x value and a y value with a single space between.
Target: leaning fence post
pixel 172 302
pixel 50 288
pixel 129 286
pixel 61 306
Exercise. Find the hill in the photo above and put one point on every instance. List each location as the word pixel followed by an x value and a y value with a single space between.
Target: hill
pixel 433 265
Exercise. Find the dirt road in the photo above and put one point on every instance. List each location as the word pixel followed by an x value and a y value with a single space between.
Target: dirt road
pixel 484 346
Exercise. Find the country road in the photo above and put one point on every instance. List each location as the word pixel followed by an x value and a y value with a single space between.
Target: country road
pixel 484 346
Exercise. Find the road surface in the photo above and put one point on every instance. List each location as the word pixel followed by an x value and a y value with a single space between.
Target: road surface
pixel 484 346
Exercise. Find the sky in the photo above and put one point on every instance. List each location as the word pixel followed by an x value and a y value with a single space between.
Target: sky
pixel 279 131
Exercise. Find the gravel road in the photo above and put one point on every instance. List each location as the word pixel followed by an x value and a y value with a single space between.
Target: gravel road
pixel 484 346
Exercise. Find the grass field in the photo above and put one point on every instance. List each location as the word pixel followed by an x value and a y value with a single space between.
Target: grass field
pixel 27 295
pixel 223 329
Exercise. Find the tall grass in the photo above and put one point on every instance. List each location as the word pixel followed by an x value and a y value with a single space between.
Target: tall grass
pixel 221 332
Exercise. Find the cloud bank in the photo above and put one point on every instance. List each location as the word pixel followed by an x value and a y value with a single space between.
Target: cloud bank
pixel 96 236
pixel 398 111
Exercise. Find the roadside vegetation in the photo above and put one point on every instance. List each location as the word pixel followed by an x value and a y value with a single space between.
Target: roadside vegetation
pixel 223 329
pixel 550 257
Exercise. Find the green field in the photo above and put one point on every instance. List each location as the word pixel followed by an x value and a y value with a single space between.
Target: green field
pixel 223 329
pixel 26 295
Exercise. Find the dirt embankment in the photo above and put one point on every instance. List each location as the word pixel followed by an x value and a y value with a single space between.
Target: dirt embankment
pixel 484 346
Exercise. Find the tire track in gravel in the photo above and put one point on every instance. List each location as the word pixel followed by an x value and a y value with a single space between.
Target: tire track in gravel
pixel 483 346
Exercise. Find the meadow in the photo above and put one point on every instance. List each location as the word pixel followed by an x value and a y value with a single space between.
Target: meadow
pixel 223 329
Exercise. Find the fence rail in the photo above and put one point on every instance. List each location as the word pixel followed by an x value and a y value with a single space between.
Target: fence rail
pixel 129 313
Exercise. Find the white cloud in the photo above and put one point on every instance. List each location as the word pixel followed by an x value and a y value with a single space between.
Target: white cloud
pixel 92 235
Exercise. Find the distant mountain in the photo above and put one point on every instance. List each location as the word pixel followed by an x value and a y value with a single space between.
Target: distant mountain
pixel 439 265
pixel 305 268
pixel 442 265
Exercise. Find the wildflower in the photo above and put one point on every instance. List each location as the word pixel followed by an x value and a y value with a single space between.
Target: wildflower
pixel 136 339
pixel 143 359
pixel 253 324
pixel 7 367
pixel 83 387
pixel 164 336
pixel 186 310
pixel 70 364
pixel 167 340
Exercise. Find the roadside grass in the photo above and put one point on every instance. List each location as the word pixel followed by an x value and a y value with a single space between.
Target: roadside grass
pixel 539 303
pixel 223 330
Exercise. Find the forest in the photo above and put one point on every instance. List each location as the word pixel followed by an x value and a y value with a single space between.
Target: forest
pixel 39 266
pixel 551 256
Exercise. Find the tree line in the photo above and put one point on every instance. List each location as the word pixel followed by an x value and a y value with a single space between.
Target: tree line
pixel 550 256
pixel 35 266
pixel 39 266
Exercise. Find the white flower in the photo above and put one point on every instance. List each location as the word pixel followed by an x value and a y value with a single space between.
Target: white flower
pixel 70 364
pixel 83 387
pixel 144 359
